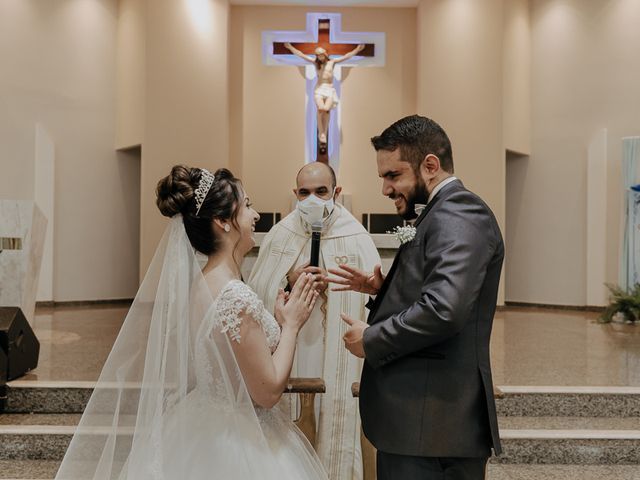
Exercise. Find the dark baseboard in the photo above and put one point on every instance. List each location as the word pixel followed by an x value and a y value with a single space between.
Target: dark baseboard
pixel 117 302
pixel 581 308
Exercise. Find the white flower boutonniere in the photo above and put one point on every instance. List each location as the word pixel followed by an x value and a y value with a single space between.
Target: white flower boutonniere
pixel 404 234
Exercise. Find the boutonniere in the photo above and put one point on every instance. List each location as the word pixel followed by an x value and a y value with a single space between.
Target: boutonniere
pixel 404 234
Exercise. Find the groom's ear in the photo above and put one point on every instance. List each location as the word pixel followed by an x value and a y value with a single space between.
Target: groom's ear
pixel 430 167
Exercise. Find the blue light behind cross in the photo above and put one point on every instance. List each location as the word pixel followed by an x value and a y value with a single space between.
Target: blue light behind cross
pixel 310 35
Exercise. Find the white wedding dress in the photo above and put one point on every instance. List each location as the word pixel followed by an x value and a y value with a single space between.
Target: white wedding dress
pixel 220 443
pixel 171 403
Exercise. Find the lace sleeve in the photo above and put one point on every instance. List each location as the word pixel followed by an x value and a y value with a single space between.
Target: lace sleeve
pixel 235 300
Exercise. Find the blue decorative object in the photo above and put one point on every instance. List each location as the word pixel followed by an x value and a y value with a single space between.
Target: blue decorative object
pixel 630 258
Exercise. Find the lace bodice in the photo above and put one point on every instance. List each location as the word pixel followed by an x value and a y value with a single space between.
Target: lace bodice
pixel 235 302
pixel 237 298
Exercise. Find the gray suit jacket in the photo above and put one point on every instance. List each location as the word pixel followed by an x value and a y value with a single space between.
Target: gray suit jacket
pixel 426 385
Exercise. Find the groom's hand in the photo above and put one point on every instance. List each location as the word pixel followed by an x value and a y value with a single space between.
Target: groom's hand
pixel 353 336
pixel 356 280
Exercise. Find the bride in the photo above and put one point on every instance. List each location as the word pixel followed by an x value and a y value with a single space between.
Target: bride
pixel 190 387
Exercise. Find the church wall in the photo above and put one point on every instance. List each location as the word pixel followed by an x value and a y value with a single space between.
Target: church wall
pixel 186 80
pixel 268 104
pixel 516 80
pixel 186 99
pixel 460 85
pixel 58 62
pixel 585 77
pixel 130 74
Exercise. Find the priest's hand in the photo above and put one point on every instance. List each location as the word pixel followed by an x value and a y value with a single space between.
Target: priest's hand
pixel 353 336
pixel 356 280
pixel 320 276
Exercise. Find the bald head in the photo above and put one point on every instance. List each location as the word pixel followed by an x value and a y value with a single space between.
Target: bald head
pixel 316 178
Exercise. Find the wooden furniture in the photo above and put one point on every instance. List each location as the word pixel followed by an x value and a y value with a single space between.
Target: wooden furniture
pixel 306 388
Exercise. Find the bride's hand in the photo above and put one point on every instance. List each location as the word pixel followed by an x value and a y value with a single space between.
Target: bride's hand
pixel 281 301
pixel 294 312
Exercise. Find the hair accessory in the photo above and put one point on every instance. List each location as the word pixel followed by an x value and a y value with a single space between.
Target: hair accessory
pixel 206 180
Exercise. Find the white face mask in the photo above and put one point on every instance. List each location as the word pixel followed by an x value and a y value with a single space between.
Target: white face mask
pixel 314 209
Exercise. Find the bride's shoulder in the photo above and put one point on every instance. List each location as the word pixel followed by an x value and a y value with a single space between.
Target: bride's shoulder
pixel 236 297
pixel 237 287
pixel 236 300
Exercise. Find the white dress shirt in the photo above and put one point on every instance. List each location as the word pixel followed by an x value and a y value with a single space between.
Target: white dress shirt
pixel 440 186
pixel 419 207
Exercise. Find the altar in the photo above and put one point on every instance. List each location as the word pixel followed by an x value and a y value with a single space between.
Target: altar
pixel 22 235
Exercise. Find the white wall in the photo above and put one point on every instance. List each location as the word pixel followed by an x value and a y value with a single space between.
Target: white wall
pixel 58 69
pixel 585 76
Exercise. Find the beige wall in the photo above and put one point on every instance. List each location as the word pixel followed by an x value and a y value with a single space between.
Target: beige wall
pixel 166 75
pixel 268 114
pixel 516 79
pixel 130 73
pixel 460 86
pixel 585 76
pixel 186 104
pixel 460 76
pixel 516 126
pixel 58 62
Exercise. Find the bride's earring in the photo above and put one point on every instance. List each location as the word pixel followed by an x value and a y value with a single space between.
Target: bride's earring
pixel 227 228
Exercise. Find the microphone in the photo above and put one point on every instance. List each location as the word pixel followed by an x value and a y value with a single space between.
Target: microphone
pixel 316 231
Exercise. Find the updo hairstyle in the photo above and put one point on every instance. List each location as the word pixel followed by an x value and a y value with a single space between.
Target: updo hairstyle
pixel 175 194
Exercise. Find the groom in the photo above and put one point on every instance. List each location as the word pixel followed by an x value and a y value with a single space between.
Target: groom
pixel 426 395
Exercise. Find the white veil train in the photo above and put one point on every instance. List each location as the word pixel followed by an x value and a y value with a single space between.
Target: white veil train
pixel 170 378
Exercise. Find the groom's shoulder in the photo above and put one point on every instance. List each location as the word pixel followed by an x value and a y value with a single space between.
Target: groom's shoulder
pixel 459 196
pixel 461 205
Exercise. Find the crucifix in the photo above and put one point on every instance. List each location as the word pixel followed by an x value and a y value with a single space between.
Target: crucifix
pixel 323 48
pixel 325 94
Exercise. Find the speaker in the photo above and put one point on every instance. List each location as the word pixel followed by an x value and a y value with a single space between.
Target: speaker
pixel 18 343
pixel 3 380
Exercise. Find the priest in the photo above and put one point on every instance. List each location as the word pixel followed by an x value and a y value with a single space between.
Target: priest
pixel 284 255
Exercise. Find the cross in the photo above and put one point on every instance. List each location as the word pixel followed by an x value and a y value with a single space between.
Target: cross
pixel 323 30
pixel 324 41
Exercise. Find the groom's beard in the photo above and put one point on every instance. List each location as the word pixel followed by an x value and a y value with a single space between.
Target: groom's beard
pixel 418 195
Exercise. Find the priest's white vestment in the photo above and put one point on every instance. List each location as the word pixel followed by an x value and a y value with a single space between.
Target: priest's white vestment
pixel 321 352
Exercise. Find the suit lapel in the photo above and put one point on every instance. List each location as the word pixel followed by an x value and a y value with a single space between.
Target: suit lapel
pixel 435 199
pixel 392 270
pixel 385 285
pixel 425 212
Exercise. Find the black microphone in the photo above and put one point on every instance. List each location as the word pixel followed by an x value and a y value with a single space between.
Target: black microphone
pixel 316 231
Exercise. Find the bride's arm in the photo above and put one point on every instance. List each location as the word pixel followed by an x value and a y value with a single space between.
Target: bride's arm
pixel 266 375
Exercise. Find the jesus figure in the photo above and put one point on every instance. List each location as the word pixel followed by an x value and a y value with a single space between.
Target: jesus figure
pixel 325 94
